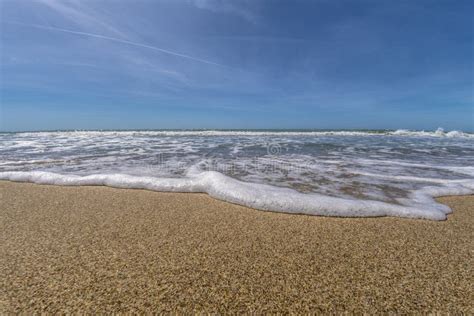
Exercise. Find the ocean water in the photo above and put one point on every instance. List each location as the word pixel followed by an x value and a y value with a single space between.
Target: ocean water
pixel 331 173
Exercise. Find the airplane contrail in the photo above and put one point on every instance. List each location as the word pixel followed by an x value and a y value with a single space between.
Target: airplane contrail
pixel 117 40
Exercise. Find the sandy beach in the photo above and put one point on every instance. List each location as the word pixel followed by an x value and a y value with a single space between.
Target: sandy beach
pixel 98 249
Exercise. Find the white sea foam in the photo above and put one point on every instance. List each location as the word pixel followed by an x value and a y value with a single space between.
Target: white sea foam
pixel 401 132
pixel 260 196
pixel 438 133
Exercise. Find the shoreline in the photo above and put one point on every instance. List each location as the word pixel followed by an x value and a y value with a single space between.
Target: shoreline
pixel 98 249
pixel 259 196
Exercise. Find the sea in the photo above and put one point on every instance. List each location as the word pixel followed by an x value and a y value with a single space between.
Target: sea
pixel 344 173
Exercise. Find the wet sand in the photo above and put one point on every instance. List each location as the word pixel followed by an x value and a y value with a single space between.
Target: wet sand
pixel 98 249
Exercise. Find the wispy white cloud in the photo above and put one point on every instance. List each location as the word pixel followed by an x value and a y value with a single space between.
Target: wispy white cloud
pixel 242 8
pixel 146 64
pixel 117 40
pixel 83 16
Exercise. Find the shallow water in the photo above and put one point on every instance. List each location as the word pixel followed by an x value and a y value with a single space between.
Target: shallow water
pixel 339 173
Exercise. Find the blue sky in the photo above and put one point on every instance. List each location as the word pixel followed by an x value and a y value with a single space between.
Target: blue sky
pixel 127 64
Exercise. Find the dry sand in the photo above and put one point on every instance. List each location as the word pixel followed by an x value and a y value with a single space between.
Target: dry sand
pixel 98 249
